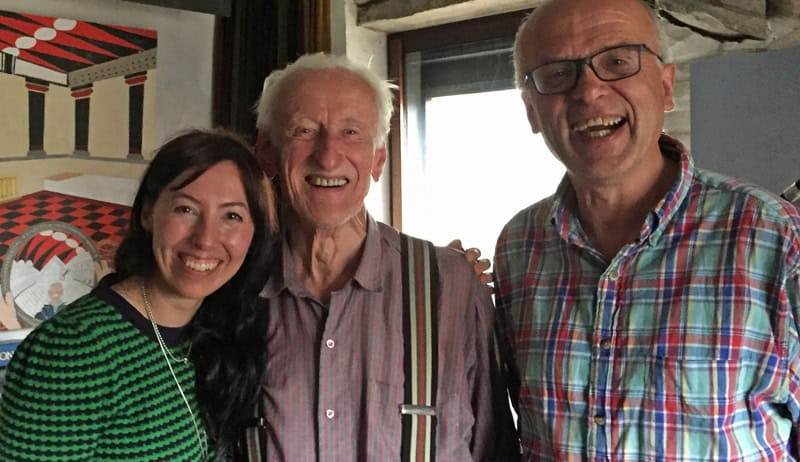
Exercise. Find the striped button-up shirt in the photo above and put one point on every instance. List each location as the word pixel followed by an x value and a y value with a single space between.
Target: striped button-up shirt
pixel 334 381
pixel 683 347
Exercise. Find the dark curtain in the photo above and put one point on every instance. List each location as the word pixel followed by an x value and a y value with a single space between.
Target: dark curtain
pixel 259 37
pixel 316 17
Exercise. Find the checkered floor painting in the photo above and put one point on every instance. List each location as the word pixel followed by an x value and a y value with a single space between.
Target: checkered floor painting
pixel 99 221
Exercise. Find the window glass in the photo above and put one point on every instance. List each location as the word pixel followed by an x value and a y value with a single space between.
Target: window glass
pixel 470 160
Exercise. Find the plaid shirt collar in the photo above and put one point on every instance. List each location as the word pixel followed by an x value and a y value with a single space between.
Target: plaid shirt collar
pixel 569 228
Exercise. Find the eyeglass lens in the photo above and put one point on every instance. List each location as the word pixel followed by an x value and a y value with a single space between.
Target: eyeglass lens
pixel 612 64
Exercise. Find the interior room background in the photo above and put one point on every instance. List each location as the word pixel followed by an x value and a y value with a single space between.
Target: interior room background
pixel 461 158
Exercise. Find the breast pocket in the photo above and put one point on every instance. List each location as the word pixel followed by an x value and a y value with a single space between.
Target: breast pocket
pixel 694 354
pixel 700 402
pixel 694 385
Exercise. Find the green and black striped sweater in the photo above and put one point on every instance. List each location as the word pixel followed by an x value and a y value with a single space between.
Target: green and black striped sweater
pixel 89 385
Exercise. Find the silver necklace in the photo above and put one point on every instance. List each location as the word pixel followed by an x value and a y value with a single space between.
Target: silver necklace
pixel 167 355
pixel 149 309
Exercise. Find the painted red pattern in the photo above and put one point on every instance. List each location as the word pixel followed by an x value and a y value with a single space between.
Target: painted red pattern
pixel 102 222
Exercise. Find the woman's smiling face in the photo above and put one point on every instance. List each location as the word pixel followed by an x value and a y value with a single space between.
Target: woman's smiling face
pixel 201 233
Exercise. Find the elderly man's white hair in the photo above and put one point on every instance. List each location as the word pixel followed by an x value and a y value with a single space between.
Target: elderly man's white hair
pixel 275 85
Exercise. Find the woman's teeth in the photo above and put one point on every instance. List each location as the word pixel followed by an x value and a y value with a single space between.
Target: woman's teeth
pixel 200 265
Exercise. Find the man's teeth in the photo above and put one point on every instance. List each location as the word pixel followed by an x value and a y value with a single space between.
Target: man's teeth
pixel 200 265
pixel 598 133
pixel 327 182
pixel 597 126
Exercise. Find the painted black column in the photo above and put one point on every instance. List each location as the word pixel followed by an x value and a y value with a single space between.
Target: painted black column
pixel 135 113
pixel 82 97
pixel 36 100
pixel 7 63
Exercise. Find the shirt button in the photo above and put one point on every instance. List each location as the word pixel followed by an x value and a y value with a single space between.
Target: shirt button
pixel 605 343
pixel 330 343
pixel 329 413
pixel 599 420
pixel 613 275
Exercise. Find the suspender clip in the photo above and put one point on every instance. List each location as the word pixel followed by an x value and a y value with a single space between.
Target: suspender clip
pixel 256 422
pixel 417 409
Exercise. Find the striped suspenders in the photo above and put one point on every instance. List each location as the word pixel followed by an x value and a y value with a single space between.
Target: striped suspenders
pixel 420 333
pixel 253 448
pixel 420 362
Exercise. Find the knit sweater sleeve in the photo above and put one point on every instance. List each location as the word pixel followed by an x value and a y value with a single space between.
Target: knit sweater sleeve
pixel 58 391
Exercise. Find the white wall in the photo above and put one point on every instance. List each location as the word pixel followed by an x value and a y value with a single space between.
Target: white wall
pixel 185 46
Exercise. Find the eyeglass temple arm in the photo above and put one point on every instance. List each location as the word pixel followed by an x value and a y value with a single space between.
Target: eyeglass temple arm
pixel 792 193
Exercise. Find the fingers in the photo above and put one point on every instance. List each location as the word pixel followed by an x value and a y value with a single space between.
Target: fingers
pixel 481 268
pixel 486 281
pixel 481 265
pixel 473 255
pixel 485 278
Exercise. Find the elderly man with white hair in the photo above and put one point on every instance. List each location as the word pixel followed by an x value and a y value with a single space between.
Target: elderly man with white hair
pixel 379 347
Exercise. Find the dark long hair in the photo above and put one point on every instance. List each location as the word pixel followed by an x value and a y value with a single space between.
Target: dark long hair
pixel 228 331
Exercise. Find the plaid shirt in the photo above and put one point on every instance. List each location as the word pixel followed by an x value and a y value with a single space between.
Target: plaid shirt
pixel 683 347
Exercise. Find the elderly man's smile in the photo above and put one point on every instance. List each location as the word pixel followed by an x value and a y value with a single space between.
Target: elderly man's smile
pixel 326 182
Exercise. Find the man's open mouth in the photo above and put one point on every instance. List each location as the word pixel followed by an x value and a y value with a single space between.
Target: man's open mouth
pixel 597 127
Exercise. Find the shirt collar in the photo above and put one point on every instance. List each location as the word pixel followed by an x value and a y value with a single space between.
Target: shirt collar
pixel 368 275
pixel 671 202
pixel 568 226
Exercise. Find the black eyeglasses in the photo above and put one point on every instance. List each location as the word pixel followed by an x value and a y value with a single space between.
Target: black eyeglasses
pixel 615 63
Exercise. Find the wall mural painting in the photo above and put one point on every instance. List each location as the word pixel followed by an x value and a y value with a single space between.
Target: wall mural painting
pixel 80 95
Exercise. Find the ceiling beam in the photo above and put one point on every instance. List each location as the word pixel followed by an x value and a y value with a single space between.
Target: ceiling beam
pixel 215 7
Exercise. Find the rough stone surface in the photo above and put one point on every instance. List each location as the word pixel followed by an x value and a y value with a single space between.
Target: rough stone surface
pixel 725 18
pixel 683 45
pixel 400 15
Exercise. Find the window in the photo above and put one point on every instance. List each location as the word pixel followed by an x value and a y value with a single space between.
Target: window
pixel 468 160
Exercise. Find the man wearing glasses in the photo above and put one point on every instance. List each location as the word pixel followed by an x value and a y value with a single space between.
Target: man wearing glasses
pixel 649 309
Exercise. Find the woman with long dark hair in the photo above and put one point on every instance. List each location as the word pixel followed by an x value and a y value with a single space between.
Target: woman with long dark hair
pixel 163 359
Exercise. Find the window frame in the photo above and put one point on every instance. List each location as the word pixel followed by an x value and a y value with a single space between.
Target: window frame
pixel 400 43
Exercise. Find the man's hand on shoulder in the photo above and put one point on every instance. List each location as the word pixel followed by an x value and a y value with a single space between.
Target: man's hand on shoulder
pixel 473 256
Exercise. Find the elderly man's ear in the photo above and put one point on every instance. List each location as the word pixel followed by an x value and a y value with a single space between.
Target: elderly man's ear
pixel 379 160
pixel 266 153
